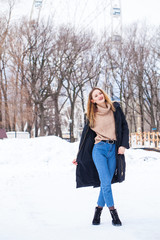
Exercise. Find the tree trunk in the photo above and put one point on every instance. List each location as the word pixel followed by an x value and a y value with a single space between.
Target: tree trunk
pixel 21 113
pixel 58 131
pixel 1 125
pixel 0 95
pixel 7 118
pixel 82 100
pixel 21 106
pixel 72 123
pixel 36 120
pixel 41 108
pixel 134 118
pixel 141 112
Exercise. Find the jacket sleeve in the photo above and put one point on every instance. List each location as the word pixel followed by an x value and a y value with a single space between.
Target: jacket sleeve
pixel 125 130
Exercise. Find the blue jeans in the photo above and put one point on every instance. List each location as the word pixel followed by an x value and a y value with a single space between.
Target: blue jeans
pixel 104 158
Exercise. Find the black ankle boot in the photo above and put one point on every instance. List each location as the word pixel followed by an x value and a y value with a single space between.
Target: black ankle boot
pixel 116 221
pixel 97 215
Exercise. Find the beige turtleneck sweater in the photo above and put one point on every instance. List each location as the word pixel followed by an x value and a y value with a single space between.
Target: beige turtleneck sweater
pixel 104 124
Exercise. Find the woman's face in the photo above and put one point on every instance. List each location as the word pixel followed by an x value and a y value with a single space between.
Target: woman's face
pixel 98 97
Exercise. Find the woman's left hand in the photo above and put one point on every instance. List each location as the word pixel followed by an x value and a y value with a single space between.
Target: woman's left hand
pixel 121 150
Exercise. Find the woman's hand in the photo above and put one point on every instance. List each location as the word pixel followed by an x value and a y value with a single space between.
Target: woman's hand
pixel 75 162
pixel 121 150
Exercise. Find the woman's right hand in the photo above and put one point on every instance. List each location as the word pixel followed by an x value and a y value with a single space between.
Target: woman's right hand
pixel 75 162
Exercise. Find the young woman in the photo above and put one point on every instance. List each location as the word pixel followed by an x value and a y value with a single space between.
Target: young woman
pixel 100 159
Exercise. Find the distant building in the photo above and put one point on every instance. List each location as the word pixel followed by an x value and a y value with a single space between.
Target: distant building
pixel 3 133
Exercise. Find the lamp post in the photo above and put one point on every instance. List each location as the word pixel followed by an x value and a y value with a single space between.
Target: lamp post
pixel 70 122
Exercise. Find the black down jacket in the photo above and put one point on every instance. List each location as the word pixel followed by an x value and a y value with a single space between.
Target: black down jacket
pixel 86 172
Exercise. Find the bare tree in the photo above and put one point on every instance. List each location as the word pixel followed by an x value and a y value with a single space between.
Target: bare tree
pixel 4 29
pixel 37 79
pixel 78 67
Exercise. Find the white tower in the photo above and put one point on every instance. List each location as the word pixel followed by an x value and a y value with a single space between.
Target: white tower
pixel 36 9
pixel 116 21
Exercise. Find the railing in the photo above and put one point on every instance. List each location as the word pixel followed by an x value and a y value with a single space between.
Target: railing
pixel 145 140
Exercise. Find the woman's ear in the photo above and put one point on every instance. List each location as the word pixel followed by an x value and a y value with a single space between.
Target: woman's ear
pixel 92 100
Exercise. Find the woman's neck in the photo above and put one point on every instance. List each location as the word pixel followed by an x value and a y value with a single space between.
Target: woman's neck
pixel 102 105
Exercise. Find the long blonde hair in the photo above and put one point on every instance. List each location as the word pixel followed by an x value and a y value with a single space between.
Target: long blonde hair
pixel 91 107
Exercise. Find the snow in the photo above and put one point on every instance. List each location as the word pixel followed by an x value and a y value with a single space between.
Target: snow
pixel 39 199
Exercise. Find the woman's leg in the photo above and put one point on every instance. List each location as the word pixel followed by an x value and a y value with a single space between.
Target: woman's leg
pixel 101 201
pixel 105 162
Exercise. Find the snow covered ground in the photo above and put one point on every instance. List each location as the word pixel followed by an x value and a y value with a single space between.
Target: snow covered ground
pixel 39 199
